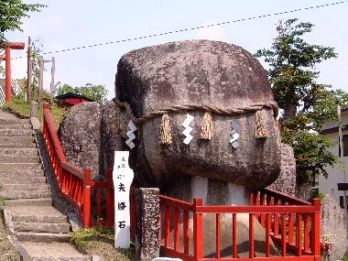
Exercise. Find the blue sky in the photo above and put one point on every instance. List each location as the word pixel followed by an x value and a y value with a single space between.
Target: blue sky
pixel 65 24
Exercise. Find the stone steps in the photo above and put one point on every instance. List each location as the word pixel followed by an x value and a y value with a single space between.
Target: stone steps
pixel 44 214
pixel 42 237
pixel 19 139
pixel 54 228
pixel 16 126
pixel 28 202
pixel 39 251
pixel 25 194
pixel 16 145
pixel 21 179
pixel 40 224
pixel 18 152
pixel 19 159
pixel 29 187
pixel 10 123
pixel 41 229
pixel 16 132
pixel 19 168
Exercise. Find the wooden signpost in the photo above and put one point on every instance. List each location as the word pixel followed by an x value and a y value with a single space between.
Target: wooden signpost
pixel 122 178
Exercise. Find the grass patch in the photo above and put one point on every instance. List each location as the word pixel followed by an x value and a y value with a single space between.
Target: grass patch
pixel 23 109
pixel 346 256
pixel 100 241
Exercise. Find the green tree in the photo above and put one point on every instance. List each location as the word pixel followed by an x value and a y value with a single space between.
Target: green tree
pixel 11 14
pixel 293 76
pixel 96 92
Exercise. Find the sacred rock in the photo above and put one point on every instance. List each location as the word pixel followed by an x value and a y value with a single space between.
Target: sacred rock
pixel 235 137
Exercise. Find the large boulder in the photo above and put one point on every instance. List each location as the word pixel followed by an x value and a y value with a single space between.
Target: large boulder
pixel 79 133
pixel 200 76
pixel 334 226
pixel 286 182
pixel 110 135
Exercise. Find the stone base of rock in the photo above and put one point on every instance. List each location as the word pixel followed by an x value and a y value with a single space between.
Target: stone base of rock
pixel 333 226
pixel 147 245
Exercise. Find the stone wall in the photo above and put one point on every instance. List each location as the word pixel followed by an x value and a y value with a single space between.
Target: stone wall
pixel 333 224
pixel 286 181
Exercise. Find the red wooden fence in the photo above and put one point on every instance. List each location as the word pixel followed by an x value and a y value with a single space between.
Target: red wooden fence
pixel 292 224
pixel 76 183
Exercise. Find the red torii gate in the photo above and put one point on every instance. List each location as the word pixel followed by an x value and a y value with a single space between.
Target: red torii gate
pixel 7 57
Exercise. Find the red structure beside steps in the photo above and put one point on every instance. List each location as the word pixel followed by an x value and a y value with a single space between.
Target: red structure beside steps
pixel 76 183
pixel 293 224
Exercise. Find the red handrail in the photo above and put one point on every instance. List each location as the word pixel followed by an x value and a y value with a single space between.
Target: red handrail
pixel 281 218
pixel 74 182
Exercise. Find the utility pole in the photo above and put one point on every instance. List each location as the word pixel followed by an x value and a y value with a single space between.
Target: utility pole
pixel 342 158
pixel 30 72
pixel 41 65
pixel 53 68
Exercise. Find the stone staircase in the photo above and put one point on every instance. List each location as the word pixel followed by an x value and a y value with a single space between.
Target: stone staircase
pixel 41 230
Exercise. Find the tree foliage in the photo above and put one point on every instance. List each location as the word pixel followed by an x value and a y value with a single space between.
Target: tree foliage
pixel 11 14
pixel 306 103
pixel 96 92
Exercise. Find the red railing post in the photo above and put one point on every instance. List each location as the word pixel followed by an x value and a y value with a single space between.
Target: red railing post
pixel 87 198
pixel 251 236
pixel 198 230
pixel 316 230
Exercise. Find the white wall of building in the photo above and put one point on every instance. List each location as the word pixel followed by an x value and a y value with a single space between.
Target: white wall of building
pixel 335 174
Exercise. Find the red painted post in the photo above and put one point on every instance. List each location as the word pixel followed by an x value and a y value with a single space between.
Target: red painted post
pixel 283 235
pixel 8 47
pixel 252 198
pixel 218 235
pixel 276 219
pixel 8 91
pixel 268 236
pixel 198 230
pixel 316 230
pixel 234 235
pixel 306 232
pixel 263 203
pixel 176 229
pixel 298 234
pixel 87 198
pixel 167 226
pixel 186 232
pixel 251 236
pixel 291 228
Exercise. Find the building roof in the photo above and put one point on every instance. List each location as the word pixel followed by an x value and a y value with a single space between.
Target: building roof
pixel 72 95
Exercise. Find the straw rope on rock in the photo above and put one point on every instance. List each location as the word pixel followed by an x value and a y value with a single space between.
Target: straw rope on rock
pixel 207 126
pixel 204 108
pixel 261 127
pixel 166 131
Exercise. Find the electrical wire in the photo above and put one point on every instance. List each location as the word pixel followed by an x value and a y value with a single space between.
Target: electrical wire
pixel 138 38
